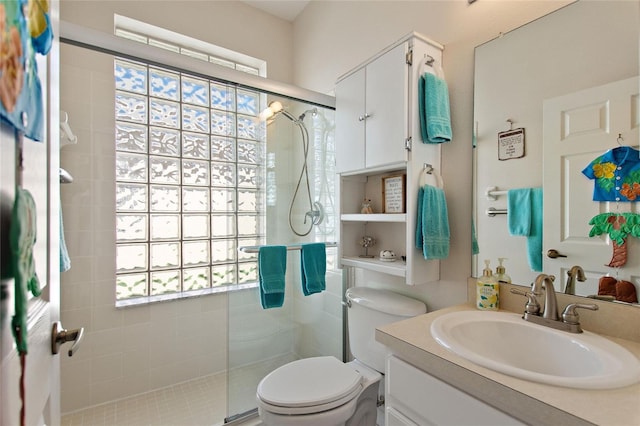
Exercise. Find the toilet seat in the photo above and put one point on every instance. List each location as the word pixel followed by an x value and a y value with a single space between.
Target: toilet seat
pixel 309 385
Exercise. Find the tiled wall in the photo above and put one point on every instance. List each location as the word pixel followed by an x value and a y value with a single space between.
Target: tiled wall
pixel 132 350
pixel 137 349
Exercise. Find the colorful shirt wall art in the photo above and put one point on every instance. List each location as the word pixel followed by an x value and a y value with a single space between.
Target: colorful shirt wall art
pixel 24 31
pixel 616 174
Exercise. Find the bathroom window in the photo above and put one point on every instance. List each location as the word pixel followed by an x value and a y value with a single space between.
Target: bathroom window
pixel 189 182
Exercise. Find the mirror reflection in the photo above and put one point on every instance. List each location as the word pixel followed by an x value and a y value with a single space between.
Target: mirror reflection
pixel 550 99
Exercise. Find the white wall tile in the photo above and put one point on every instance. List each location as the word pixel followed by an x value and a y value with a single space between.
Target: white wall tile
pixel 107 342
pixel 106 367
pixel 105 317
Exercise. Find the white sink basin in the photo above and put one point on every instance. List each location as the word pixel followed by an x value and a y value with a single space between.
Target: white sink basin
pixel 506 343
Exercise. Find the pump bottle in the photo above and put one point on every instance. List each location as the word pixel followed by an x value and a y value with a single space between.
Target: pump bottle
pixel 487 290
pixel 501 273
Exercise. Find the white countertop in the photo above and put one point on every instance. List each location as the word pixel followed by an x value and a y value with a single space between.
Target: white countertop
pixel 530 402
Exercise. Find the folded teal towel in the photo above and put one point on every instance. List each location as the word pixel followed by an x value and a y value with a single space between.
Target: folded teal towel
pixel 313 261
pixel 432 224
pixel 272 266
pixel 524 214
pixel 433 105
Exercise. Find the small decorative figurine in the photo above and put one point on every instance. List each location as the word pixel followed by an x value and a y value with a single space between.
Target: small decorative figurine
pixel 367 242
pixel 366 207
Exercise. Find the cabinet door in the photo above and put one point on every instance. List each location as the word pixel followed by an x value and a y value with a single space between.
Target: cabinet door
pixel 350 122
pixel 396 418
pixel 429 401
pixel 387 108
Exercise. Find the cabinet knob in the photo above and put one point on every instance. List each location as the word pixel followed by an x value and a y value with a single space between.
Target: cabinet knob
pixel 364 117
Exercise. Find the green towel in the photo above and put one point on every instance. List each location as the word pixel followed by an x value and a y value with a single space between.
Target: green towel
pixel 433 105
pixel 432 224
pixel 272 266
pixel 313 261
pixel 22 238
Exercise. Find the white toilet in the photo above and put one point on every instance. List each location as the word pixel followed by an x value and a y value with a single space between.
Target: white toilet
pixel 323 391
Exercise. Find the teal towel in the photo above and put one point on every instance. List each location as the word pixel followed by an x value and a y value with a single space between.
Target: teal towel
pixel 534 241
pixel 432 224
pixel 433 105
pixel 313 261
pixel 65 261
pixel 524 214
pixel 475 248
pixel 419 236
pixel 272 266
pixel 519 211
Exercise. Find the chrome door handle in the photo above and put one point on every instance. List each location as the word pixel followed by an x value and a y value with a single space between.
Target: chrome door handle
pixel 59 336
pixel 553 254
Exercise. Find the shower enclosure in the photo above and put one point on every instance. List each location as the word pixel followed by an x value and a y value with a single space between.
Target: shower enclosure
pixel 299 188
pixel 143 338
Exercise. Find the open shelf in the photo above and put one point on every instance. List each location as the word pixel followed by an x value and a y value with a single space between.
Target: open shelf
pixel 397 268
pixel 374 217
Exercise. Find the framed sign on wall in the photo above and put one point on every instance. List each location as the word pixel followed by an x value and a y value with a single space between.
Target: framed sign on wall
pixel 394 193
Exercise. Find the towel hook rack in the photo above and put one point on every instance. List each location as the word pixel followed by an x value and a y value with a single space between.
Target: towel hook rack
pixel 428 60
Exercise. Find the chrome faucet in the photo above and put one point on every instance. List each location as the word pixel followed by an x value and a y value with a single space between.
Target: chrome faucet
pixel 576 272
pixel 550 318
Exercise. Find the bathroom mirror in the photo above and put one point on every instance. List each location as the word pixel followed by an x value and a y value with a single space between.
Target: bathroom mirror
pixel 579 47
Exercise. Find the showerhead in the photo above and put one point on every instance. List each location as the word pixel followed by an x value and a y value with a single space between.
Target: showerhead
pixel 313 111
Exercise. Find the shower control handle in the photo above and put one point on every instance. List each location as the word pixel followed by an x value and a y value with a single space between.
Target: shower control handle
pixel 364 117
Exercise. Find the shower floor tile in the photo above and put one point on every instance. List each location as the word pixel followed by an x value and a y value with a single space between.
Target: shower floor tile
pixel 202 401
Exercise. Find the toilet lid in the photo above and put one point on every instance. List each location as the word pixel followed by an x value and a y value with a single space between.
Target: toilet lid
pixel 309 382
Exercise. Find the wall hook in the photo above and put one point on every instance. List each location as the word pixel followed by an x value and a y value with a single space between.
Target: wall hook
pixel 510 121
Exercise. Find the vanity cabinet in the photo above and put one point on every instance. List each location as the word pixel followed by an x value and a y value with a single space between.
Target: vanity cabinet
pixel 413 397
pixel 378 136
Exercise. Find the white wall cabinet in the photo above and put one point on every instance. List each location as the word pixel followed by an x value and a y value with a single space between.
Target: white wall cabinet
pixel 413 397
pixel 373 113
pixel 378 135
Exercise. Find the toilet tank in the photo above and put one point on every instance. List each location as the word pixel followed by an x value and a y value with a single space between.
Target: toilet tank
pixel 371 308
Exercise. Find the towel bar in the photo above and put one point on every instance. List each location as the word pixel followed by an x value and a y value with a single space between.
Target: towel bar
pixel 255 249
pixel 492 211
pixel 492 193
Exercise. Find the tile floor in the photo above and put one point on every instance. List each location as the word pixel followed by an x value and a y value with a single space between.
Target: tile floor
pixel 202 401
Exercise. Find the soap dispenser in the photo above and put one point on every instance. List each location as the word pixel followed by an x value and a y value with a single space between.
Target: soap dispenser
pixel 501 273
pixel 487 290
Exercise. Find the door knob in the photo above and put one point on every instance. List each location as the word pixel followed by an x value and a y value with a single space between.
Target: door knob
pixel 59 336
pixel 553 254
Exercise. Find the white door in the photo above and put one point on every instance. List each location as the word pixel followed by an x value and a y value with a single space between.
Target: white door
pixel 578 128
pixel 40 177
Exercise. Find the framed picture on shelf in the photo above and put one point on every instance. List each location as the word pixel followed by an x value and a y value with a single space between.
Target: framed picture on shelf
pixel 394 193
